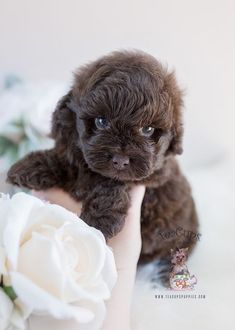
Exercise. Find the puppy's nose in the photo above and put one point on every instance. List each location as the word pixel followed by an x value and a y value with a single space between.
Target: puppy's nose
pixel 120 162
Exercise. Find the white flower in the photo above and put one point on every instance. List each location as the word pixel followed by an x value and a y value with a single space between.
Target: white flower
pixel 26 112
pixel 56 263
pixel 35 102
pixel 11 317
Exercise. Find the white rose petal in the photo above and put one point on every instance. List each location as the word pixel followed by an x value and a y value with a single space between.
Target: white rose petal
pixel 6 308
pixel 3 270
pixel 11 317
pixel 17 217
pixel 41 301
pixel 109 270
pixel 49 323
pixel 4 207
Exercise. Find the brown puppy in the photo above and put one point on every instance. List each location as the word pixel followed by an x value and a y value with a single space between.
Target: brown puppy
pixel 120 124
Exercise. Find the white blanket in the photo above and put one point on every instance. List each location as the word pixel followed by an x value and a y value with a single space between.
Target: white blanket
pixel 213 263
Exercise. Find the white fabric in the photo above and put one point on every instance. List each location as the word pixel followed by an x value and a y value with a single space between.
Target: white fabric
pixel 212 262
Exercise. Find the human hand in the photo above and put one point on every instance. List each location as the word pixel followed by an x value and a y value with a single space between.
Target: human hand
pixel 126 246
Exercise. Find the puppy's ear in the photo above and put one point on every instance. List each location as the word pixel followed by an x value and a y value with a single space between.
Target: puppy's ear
pixel 176 105
pixel 185 250
pixel 64 127
pixel 62 118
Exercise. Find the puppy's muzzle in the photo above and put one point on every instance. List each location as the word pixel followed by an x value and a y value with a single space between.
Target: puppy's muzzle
pixel 120 162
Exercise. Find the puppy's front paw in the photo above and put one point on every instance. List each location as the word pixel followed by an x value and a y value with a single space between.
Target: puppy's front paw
pixel 25 176
pixel 16 177
pixel 110 226
pixel 38 170
pixel 105 207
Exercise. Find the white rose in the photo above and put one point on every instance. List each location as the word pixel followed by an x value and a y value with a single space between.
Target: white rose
pixel 45 98
pixel 35 102
pixel 56 263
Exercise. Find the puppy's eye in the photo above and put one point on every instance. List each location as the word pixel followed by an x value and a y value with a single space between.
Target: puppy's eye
pixel 101 122
pixel 147 131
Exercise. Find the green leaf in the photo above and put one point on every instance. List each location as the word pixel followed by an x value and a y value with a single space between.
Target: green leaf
pixel 10 292
pixel 5 145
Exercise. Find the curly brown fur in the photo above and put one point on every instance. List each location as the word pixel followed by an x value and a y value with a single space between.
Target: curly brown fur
pixel 97 165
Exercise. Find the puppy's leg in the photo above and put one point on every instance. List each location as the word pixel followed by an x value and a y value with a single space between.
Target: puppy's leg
pixel 106 206
pixel 168 217
pixel 38 170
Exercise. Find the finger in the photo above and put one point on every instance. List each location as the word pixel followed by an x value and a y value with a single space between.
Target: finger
pixel 131 228
pixel 59 197
pixel 136 195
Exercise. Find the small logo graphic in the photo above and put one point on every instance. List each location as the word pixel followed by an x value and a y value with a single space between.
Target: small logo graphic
pixel 180 278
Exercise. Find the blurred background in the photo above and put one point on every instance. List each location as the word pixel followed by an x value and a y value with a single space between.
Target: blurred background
pixel 43 42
